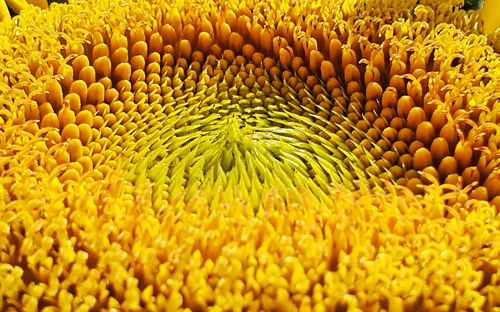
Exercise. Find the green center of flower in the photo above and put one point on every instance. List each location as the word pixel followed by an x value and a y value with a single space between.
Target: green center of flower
pixel 227 139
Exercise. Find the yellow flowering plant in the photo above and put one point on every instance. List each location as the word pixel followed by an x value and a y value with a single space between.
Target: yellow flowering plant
pixel 249 155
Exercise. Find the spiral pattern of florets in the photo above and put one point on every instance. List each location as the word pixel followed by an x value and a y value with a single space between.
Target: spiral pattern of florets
pixel 249 155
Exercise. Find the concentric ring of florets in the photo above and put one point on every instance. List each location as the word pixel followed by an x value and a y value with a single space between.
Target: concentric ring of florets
pixel 287 102
pixel 183 156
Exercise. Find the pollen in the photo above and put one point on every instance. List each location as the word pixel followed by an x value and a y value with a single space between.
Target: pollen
pixel 249 155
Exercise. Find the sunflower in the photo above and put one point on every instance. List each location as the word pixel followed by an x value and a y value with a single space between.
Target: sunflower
pixel 249 155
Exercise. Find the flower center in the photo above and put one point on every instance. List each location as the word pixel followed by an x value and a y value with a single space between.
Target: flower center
pixel 229 139
pixel 236 106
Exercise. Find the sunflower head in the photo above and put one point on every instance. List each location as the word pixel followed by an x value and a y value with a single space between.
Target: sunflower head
pixel 248 155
